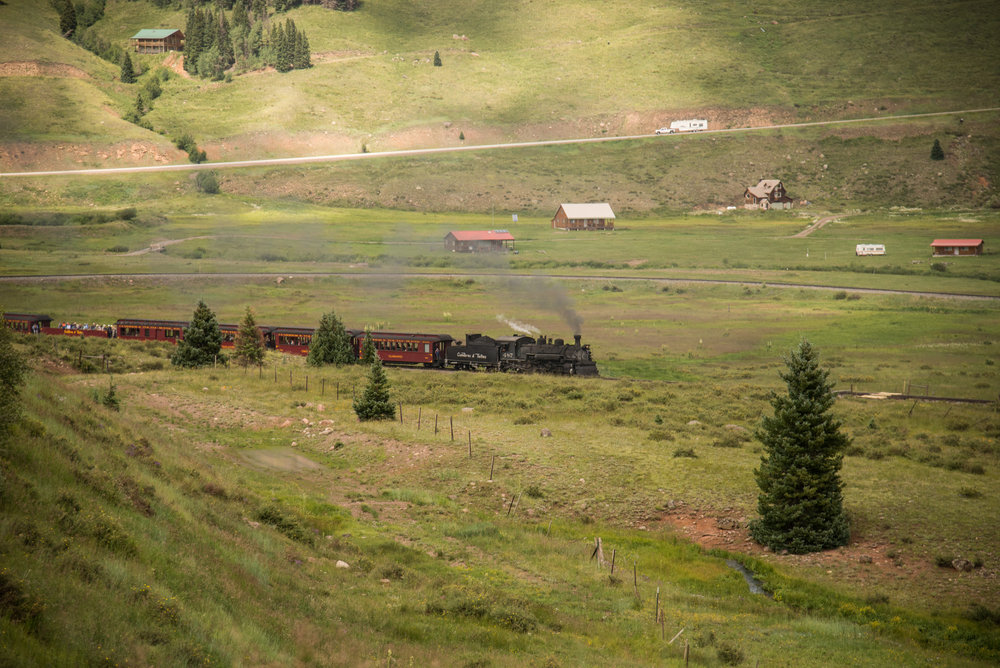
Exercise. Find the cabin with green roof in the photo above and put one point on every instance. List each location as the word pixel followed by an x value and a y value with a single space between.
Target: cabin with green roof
pixel 158 41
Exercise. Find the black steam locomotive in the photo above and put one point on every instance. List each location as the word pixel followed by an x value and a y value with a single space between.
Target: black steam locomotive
pixel 521 354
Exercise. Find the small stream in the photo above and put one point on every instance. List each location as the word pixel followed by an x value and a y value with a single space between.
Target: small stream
pixel 756 586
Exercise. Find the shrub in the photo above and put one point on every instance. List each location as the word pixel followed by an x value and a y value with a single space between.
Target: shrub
pixel 437 61
pixel 117 249
pixel 685 452
pixel 206 182
pixel 939 266
pixel 840 295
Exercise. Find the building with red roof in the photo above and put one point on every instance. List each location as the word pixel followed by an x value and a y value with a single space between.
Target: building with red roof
pixel 479 241
pixel 952 247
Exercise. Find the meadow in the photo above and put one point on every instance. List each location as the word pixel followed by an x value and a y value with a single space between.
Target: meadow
pixel 245 517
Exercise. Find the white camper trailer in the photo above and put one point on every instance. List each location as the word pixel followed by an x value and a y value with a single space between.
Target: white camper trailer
pixel 869 249
pixel 689 126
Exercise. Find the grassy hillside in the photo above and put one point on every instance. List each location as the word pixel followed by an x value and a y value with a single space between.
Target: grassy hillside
pixel 208 517
pixel 574 68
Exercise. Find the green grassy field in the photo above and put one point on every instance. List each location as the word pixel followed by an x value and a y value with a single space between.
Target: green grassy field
pixel 209 515
pixel 210 519
pixel 573 70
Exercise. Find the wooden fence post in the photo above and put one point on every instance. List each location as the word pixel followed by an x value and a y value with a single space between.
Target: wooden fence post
pixel 614 553
pixel 492 462
pixel 451 421
pixel 322 387
pixel 400 412
pixel 470 444
pixel 435 424
pixel 419 411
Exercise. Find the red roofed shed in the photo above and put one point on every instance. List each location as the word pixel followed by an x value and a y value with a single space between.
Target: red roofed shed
pixel 478 241
pixel 947 247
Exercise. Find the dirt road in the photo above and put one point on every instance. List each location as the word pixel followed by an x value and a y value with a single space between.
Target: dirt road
pixel 481 147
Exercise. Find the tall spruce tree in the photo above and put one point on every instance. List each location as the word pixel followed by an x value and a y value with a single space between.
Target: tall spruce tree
pixel 67 18
pixel 800 501
pixel 12 371
pixel 248 348
pixel 330 343
pixel 368 354
pixel 202 343
pixel 937 153
pixel 375 403
pixel 128 72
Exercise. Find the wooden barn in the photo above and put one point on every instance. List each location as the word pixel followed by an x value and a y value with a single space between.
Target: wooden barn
pixel 767 194
pixel 952 247
pixel 593 216
pixel 149 40
pixel 479 241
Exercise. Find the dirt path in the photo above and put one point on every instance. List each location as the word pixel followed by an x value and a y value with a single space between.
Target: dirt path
pixel 815 226
pixel 158 246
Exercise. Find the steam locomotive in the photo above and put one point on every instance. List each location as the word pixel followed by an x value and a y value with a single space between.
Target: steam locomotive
pixel 522 354
pixel 517 354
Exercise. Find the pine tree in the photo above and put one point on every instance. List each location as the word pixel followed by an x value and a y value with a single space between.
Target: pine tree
pixel 128 73
pixel 224 43
pixel 303 59
pixel 330 343
pixel 12 372
pixel 192 40
pixel 202 340
pixel 800 501
pixel 67 18
pixel 368 354
pixel 437 59
pixel 375 402
pixel 937 153
pixel 248 348
pixel 284 46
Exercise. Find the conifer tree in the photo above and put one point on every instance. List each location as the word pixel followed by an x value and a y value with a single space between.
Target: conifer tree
pixel 937 153
pixel 248 348
pixel 128 73
pixel 224 43
pixel 437 59
pixel 12 372
pixel 192 40
pixel 375 402
pixel 368 354
pixel 330 343
pixel 202 341
pixel 800 501
pixel 67 18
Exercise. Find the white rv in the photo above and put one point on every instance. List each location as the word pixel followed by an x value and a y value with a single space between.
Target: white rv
pixel 869 249
pixel 688 126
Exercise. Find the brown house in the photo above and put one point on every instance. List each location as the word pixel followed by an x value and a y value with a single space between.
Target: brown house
pixel 952 247
pixel 767 194
pixel 478 241
pixel 595 216
pixel 158 41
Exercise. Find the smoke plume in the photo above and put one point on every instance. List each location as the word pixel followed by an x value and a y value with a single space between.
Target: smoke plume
pixel 519 327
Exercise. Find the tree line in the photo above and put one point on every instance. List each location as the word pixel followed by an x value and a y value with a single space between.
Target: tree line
pixel 247 40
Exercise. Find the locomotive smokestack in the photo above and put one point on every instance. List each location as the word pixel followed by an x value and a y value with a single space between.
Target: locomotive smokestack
pixel 576 340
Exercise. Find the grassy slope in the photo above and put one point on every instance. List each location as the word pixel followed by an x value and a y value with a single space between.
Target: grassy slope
pixel 195 533
pixel 74 106
pixel 576 61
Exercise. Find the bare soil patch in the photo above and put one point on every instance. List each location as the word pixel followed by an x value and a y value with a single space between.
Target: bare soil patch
pixel 34 68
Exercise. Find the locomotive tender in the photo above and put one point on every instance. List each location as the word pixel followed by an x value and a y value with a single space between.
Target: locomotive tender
pixel 517 354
